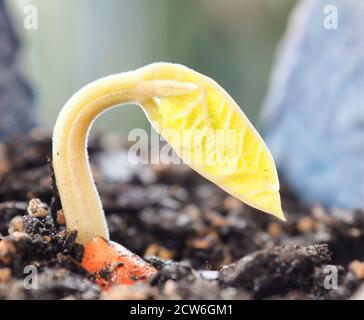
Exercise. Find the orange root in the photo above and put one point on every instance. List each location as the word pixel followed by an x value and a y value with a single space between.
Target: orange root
pixel 114 264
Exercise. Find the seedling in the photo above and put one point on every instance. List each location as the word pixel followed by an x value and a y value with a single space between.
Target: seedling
pixel 185 107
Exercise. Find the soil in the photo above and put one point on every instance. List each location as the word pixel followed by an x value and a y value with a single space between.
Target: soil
pixel 204 243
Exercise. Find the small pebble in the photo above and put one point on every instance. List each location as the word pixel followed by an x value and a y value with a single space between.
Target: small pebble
pixel 37 208
pixel 179 193
pixel 7 251
pixel 19 235
pixel 357 268
pixel 274 229
pixel 232 203
pixel 170 290
pixel 208 274
pixel 125 292
pixel 61 219
pixel 4 164
pixel 355 232
pixel 16 225
pixel 217 220
pixel 47 239
pixel 306 225
pixel 159 251
pixel 198 244
pixel 193 211
pixel 5 275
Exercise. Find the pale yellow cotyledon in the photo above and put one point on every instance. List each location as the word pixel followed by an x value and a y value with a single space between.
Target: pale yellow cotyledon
pixel 202 123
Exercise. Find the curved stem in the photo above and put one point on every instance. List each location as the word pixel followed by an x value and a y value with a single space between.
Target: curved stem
pixel 80 201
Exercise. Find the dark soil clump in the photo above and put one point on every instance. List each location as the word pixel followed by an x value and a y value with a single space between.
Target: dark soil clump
pixel 204 243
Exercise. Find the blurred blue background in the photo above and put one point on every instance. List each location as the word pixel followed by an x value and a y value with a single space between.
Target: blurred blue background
pixel 78 41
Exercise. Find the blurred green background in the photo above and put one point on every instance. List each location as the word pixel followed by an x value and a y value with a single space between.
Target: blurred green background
pixel 78 41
